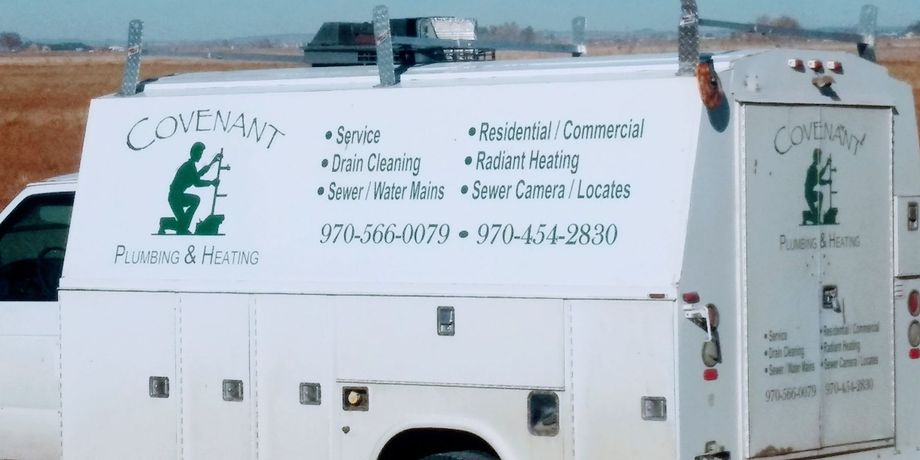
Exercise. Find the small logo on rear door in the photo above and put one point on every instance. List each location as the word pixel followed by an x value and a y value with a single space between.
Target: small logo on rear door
pixel 819 191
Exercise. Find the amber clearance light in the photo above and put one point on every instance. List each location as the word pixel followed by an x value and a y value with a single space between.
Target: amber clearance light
pixel 710 86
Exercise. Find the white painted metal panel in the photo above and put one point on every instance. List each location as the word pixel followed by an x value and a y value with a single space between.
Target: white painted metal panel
pixel 497 342
pixel 293 346
pixel 817 199
pixel 30 398
pixel 29 319
pixel 492 186
pixel 30 434
pixel 29 373
pixel 623 351
pixel 112 344
pixel 711 269
pixel 214 343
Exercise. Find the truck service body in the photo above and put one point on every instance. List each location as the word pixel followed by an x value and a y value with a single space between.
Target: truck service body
pixel 522 259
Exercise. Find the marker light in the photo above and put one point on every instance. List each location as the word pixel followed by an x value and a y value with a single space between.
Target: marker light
pixel 913 334
pixel 710 374
pixel 835 66
pixel 355 399
pixel 713 313
pixel 815 65
pixel 710 353
pixel 796 64
pixel 914 353
pixel 710 86
pixel 691 297
pixel 913 303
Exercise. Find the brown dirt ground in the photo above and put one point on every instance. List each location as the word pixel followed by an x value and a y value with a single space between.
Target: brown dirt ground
pixel 44 99
pixel 43 106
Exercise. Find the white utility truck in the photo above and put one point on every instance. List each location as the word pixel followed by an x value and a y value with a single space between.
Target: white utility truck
pixel 596 258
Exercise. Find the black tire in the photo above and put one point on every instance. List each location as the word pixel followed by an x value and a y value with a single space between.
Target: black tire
pixel 461 455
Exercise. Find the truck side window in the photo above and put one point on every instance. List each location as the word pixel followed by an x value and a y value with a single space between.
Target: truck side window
pixel 32 241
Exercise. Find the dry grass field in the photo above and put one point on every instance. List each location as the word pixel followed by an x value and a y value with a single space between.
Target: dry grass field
pixel 43 106
pixel 44 100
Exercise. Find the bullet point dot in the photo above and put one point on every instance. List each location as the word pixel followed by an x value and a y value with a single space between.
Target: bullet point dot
pixel 468 160
pixel 765 353
pixel 320 191
pixel 472 131
pixel 464 234
pixel 766 371
pixel 325 163
pixel 464 189
pixel 328 135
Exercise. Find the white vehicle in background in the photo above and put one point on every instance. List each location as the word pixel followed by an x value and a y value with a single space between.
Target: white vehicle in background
pixel 560 259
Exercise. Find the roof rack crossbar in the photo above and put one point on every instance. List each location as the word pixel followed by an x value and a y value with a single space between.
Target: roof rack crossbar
pixel 690 23
pixel 782 31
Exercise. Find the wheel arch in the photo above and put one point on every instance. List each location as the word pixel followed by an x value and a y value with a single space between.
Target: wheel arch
pixel 416 441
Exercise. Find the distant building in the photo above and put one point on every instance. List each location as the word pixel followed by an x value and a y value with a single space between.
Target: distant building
pixel 69 46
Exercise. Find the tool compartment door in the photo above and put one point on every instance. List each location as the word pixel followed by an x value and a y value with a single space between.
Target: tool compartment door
pixel 216 388
pixel 818 278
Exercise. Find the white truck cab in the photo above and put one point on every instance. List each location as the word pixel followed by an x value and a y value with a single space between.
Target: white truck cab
pixel 33 235
pixel 555 259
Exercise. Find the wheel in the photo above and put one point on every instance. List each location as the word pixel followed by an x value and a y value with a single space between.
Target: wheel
pixel 461 455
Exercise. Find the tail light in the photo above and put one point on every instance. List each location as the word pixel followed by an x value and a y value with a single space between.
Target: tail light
pixel 710 374
pixel 691 297
pixel 913 334
pixel 913 303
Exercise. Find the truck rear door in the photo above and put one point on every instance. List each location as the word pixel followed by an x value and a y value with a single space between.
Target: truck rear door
pixel 816 199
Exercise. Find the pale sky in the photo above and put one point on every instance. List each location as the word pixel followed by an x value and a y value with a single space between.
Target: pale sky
pixel 215 19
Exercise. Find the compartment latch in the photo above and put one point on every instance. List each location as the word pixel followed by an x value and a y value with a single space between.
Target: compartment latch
pixel 446 325
pixel 913 220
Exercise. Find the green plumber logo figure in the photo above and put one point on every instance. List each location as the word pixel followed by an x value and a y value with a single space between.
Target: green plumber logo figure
pixel 814 183
pixel 184 204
